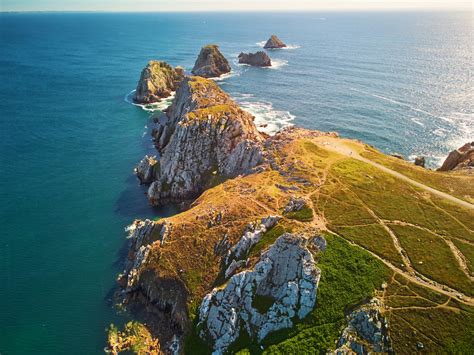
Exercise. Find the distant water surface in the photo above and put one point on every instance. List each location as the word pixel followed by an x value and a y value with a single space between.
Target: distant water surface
pixel 69 140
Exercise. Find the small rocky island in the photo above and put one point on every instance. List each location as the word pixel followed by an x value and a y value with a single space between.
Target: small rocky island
pixel 274 43
pixel 301 242
pixel 259 59
pixel 211 63
pixel 157 81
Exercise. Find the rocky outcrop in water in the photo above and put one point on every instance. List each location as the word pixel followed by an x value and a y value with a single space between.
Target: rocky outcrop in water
pixel 204 136
pixel 366 332
pixel 420 161
pixel 157 80
pixel 259 59
pixel 273 43
pixel 281 287
pixel 461 158
pixel 211 63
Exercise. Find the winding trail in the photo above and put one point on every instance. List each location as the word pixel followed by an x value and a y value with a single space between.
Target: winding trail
pixel 338 146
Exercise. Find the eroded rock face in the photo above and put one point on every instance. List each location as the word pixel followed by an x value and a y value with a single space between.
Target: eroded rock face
pixel 274 42
pixel 420 161
pixel 294 205
pixel 366 332
pixel 281 286
pixel 203 136
pixel 462 158
pixel 157 80
pixel 211 63
pixel 259 59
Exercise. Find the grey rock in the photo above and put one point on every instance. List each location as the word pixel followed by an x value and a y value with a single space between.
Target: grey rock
pixel 287 273
pixel 420 161
pixel 259 59
pixel 273 43
pixel 211 63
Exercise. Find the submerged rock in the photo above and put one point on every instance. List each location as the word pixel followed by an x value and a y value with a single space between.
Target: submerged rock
pixel 259 59
pixel 211 63
pixel 204 135
pixel 274 42
pixel 461 158
pixel 281 286
pixel 157 80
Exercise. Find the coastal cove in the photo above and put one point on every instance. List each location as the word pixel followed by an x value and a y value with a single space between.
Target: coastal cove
pixel 70 141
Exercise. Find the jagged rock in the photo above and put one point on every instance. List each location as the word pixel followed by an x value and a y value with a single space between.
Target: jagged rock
pixel 286 274
pixel 295 204
pixel 211 63
pixel 157 81
pixel 462 158
pixel 273 43
pixel 320 242
pixel 145 170
pixel 366 331
pixel 139 233
pixel 259 59
pixel 204 135
pixel 420 161
pixel 252 236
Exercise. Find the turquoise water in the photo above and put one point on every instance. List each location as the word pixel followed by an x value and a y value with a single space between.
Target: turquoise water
pixel 69 140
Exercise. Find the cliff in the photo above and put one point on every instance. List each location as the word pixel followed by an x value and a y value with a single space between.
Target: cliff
pixel 157 81
pixel 285 257
pixel 259 59
pixel 204 137
pixel 460 159
pixel 211 63
pixel 274 43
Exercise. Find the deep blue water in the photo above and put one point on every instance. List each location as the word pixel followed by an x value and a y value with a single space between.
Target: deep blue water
pixel 69 140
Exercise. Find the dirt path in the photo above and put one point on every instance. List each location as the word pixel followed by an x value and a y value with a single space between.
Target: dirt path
pixel 338 146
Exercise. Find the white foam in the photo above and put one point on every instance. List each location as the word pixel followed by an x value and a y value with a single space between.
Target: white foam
pixel 267 119
pixel 277 64
pixel 155 106
pixel 417 121
pixel 288 46
pixel 226 76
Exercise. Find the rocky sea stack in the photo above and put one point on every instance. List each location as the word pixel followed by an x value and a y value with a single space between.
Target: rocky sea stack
pixel 461 158
pixel 211 63
pixel 204 136
pixel 157 81
pixel 274 42
pixel 259 59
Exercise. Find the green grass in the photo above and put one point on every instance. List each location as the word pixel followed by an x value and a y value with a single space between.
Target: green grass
pixel 431 256
pixel 374 238
pixel 303 215
pixel 262 303
pixel 268 238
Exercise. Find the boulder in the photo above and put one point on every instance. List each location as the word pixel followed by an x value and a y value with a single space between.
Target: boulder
pixel 259 59
pixel 211 63
pixel 420 161
pixel 204 135
pixel 281 287
pixel 274 42
pixel 157 81
pixel 398 156
pixel 462 158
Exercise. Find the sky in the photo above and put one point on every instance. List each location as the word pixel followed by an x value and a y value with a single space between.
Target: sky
pixel 230 5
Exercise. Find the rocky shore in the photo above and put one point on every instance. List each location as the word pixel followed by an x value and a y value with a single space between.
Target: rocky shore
pixel 271 246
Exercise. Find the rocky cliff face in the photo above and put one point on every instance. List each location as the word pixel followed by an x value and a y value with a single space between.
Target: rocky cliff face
pixel 274 42
pixel 282 286
pixel 259 59
pixel 157 81
pixel 462 158
pixel 204 136
pixel 211 63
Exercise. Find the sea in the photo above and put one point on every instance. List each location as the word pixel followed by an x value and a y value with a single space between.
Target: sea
pixel 70 137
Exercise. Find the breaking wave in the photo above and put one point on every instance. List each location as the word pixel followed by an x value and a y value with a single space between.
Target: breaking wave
pixel 155 106
pixel 267 118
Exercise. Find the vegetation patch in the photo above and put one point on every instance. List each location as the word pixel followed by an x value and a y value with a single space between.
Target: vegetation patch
pixel 262 303
pixel 468 251
pixel 268 238
pixel 303 215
